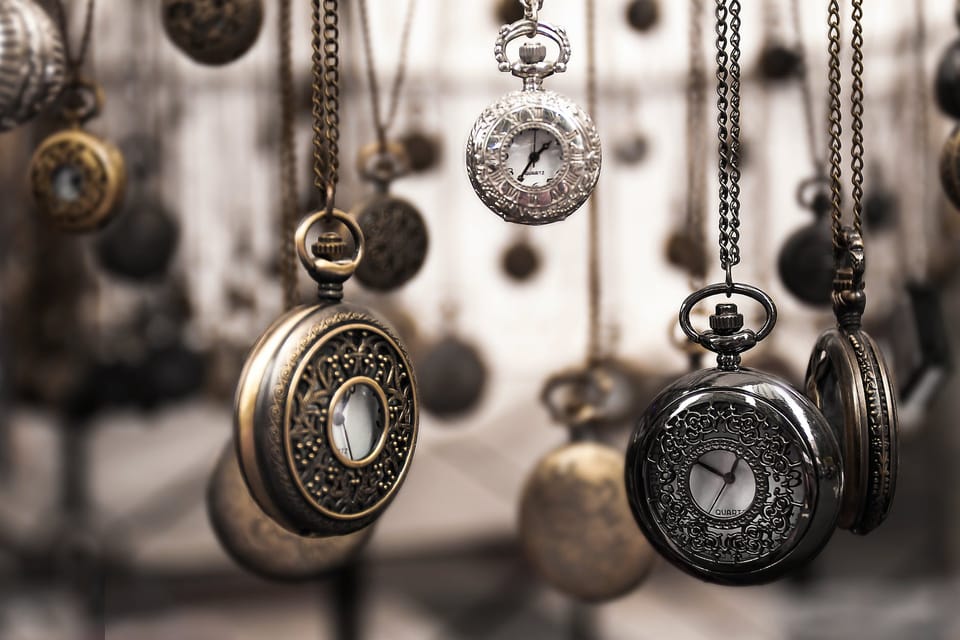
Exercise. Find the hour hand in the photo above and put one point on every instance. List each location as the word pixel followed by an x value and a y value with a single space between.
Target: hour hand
pixel 711 468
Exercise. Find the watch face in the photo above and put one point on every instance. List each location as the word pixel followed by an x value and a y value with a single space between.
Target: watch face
pixel 534 158
pixel 734 485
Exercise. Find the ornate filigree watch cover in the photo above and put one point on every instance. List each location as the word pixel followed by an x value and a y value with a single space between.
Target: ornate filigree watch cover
pixel 533 157
pixel 326 411
pixel 259 544
pixel 733 476
pixel 848 379
pixel 77 178
pixel 32 63
pixel 213 32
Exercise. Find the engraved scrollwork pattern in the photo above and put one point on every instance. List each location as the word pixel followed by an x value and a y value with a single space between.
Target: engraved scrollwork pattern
pixel 333 487
pixel 491 136
pixel 758 438
pixel 213 31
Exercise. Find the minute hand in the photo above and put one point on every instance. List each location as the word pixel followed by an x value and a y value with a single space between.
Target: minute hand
pixel 534 158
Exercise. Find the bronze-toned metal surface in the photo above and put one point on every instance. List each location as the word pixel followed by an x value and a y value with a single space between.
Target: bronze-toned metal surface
pixel 259 544
pixel 950 167
pixel 424 150
pixel 397 241
pixel 575 524
pixel 320 376
pixel 452 376
pixel 77 180
pixel 213 32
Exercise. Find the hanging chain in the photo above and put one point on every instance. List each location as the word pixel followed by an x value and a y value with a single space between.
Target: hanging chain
pixel 806 91
pixel 326 98
pixel 696 136
pixel 288 160
pixel 75 62
pixel 594 346
pixel 531 9
pixel 856 112
pixel 728 125
pixel 383 124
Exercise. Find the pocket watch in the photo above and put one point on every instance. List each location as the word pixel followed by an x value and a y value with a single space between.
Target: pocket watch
pixel 32 62
pixel 78 179
pixel 533 157
pixel 260 545
pixel 607 392
pixel 521 260
pixel 733 475
pixel 805 263
pixel 452 376
pixel 140 245
pixel 326 410
pixel 575 524
pixel 848 380
pixel 213 32
pixel 950 167
pixel 394 232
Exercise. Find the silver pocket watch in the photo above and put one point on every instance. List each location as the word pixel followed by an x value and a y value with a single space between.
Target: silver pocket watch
pixel 533 156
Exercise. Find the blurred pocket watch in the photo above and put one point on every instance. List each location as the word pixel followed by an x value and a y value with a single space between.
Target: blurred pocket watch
pixel 805 264
pixel 607 392
pixel 643 15
pixel 533 157
pixel 78 179
pixel 140 245
pixel 260 545
pixel 213 32
pixel 521 260
pixel 326 410
pixel 395 234
pixel 32 62
pixel 452 376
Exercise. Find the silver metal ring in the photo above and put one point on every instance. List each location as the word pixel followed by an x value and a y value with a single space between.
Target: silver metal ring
pixel 529 28
pixel 722 289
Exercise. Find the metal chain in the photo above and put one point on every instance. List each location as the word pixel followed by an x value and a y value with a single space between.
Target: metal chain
pixel 326 98
pixel 75 62
pixel 288 159
pixel 594 283
pixel 806 91
pixel 856 113
pixel 696 137
pixel 836 123
pixel 728 133
pixel 380 123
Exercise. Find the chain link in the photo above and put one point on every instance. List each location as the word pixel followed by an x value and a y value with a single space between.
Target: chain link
pixel 288 160
pixel 380 123
pixel 856 113
pixel 728 131
pixel 326 98
pixel 75 62
pixel 836 123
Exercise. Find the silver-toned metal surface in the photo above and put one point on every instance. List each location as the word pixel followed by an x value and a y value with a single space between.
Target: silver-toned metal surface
pixel 32 62
pixel 534 156
pixel 766 457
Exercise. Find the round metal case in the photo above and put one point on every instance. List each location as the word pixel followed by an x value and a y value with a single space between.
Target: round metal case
pixel 533 157
pixel 77 180
pixel 32 63
pixel 326 411
pixel 260 545
pixel 213 32
pixel 452 377
pixel 396 237
pixel 847 379
pixel 733 475
pixel 575 524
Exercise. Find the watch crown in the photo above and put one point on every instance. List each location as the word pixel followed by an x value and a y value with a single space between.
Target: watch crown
pixel 727 320
pixel 330 246
pixel 533 52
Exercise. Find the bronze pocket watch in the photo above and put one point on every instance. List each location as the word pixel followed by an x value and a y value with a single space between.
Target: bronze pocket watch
pixel 78 179
pixel 395 234
pixel 213 32
pixel 32 62
pixel 326 411
pixel 260 545
pixel 533 157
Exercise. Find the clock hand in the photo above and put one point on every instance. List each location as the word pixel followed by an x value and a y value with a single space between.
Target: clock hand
pixel 710 468
pixel 717 499
pixel 534 158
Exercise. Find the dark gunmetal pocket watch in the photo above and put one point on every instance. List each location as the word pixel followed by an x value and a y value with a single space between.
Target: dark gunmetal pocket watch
pixel 326 410
pixel 533 157
pixel 78 179
pixel 213 32
pixel 452 377
pixel 805 263
pixel 395 234
pixel 733 475
pixel 521 260
pixel 260 545
pixel 643 15
pixel 141 243
pixel 848 379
